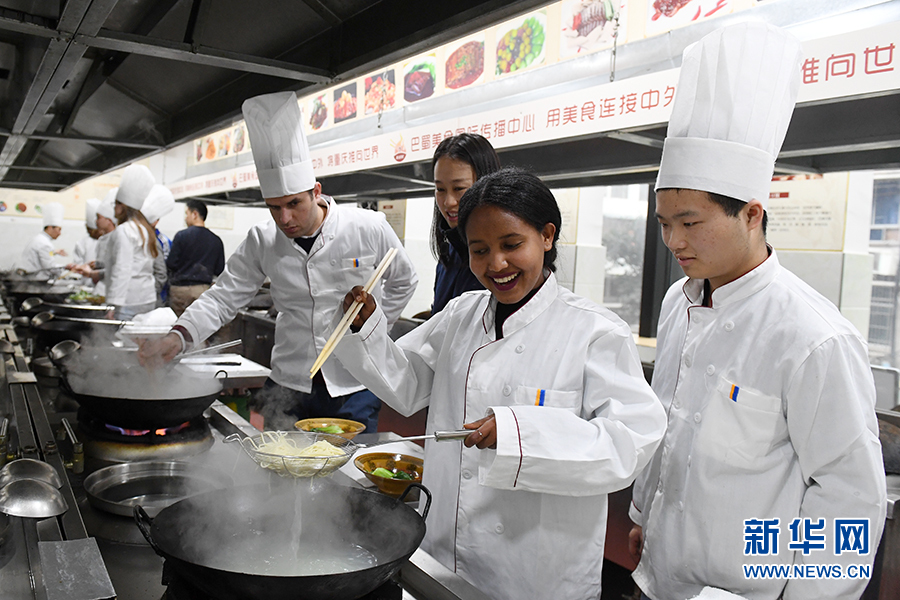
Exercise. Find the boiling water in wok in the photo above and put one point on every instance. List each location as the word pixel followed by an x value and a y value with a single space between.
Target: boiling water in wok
pixel 302 559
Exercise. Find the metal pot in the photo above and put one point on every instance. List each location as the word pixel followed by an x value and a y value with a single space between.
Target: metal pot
pixel 186 533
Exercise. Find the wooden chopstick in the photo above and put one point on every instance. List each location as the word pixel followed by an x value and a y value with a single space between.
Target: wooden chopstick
pixel 351 314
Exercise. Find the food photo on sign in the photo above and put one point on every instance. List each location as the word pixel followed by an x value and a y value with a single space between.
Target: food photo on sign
pixel 664 15
pixel 419 78
pixel 465 64
pixel 345 103
pixel 522 43
pixel 380 92
pixel 590 25
pixel 318 112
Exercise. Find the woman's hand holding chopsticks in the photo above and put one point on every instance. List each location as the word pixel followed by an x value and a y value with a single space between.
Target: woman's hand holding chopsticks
pixel 358 294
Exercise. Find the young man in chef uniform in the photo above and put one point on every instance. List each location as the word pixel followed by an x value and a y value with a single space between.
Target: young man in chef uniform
pixel 39 252
pixel 86 248
pixel 313 250
pixel 768 388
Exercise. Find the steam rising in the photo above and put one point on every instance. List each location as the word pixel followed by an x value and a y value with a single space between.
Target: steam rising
pixel 276 405
pixel 106 371
pixel 291 528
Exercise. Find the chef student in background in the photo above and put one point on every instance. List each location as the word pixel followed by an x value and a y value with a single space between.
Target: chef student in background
pixel 570 417
pixel 39 252
pixel 768 388
pixel 86 248
pixel 130 285
pixel 158 204
pixel 106 225
pixel 312 251
pixel 197 258
pixel 457 163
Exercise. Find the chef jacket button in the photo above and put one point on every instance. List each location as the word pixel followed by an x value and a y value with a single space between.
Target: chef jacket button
pixel 710 370
pixel 499 528
pixel 677 405
pixel 729 325
pixel 687 362
pixel 697 417
pixel 334 262
pixel 467 474
pixel 520 349
pixel 507 390
pixel 681 506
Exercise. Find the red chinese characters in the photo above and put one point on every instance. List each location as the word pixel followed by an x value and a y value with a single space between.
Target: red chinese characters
pixel 875 60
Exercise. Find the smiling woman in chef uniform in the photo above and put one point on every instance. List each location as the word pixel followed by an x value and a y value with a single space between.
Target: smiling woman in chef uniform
pixel 130 285
pixel 570 417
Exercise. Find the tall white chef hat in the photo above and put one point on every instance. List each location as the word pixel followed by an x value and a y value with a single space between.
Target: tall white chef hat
pixel 137 180
pixel 158 204
pixel 53 214
pixel 90 212
pixel 278 143
pixel 107 208
pixel 733 103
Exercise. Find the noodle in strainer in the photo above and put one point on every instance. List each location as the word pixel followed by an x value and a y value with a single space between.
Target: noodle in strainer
pixel 297 453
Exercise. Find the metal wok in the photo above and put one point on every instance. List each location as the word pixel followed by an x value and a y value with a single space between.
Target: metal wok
pixel 49 292
pixel 111 385
pixel 202 539
pixel 143 412
pixel 35 305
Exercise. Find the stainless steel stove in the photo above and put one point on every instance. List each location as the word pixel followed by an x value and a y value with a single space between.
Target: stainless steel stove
pixel 90 554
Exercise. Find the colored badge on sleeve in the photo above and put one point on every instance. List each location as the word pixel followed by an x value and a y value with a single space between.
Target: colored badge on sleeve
pixel 734 392
pixel 539 399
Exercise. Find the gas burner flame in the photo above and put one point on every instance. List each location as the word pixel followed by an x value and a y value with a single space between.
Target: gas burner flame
pixel 141 432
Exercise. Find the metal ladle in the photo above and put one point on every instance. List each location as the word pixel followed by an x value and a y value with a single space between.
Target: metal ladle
pixel 29 468
pixel 31 498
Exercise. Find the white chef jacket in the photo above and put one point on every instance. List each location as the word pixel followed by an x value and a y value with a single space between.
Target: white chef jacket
pixel 102 260
pixel 129 274
pixel 798 437
pixel 85 250
pixel 307 289
pixel 575 420
pixel 38 254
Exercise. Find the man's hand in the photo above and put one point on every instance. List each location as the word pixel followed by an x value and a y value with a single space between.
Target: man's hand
pixel 358 294
pixel 636 543
pixel 155 352
pixel 485 434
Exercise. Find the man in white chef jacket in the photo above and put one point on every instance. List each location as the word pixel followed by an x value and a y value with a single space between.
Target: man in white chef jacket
pixel 86 248
pixel 106 225
pixel 39 252
pixel 313 251
pixel 771 455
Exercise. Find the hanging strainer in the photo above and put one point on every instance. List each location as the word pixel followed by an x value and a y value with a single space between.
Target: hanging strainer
pixel 283 452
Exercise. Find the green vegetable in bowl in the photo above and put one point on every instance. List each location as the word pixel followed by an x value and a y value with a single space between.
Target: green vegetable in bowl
pixel 382 472
pixel 328 429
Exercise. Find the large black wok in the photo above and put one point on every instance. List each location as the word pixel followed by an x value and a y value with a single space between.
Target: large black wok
pixel 49 292
pixel 200 535
pixel 111 385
